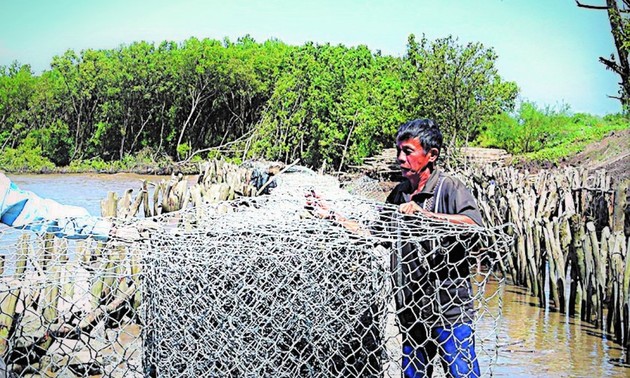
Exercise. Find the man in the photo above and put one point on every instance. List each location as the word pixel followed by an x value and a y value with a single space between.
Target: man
pixel 431 283
pixel 24 209
pixel 433 329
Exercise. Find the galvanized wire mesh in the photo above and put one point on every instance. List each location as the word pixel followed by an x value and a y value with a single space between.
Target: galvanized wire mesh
pixel 249 288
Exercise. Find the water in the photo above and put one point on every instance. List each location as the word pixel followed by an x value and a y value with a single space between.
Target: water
pixel 534 342
pixel 539 343
pixel 85 190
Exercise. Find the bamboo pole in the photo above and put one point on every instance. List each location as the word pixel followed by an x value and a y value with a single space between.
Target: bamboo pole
pixel 109 206
pixel 554 230
pixel 539 262
pixel 66 330
pixel 111 273
pixel 553 279
pixel 583 193
pixel 124 205
pixel 135 277
pixel 135 205
pixel 520 244
pixel 49 297
pixel 578 246
pixel 159 188
pixel 98 283
pixel 620 203
pixel 197 199
pixel 589 283
pixel 529 249
pixel 606 274
pixel 615 308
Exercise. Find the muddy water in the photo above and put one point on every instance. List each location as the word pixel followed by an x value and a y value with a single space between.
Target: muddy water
pixel 85 190
pixel 539 343
pixel 533 341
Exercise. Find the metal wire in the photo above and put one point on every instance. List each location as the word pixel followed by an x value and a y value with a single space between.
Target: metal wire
pixel 255 287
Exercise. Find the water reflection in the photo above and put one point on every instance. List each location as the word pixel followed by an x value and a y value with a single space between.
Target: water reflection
pixel 540 343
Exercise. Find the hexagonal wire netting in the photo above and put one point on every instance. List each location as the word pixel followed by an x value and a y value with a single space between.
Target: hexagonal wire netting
pixel 252 288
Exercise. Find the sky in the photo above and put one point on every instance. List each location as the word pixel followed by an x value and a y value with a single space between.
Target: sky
pixel 550 48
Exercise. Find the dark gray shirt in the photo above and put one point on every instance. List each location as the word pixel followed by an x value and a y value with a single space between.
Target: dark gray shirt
pixel 442 293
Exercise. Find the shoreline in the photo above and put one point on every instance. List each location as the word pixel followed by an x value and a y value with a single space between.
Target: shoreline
pixel 158 170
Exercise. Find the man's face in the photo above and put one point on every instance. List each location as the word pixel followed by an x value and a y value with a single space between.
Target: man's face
pixel 413 159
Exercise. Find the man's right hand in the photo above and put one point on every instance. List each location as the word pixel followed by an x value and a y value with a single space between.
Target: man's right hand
pixel 317 206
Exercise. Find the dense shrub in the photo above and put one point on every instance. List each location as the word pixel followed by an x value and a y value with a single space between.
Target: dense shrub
pixel 547 134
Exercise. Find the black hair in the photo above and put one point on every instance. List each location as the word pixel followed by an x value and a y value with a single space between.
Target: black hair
pixel 426 130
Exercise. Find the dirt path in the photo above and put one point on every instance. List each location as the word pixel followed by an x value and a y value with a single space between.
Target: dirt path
pixel 611 153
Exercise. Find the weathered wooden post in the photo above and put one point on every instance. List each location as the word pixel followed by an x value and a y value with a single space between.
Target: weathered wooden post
pixel 8 301
pixel 124 205
pixel 135 205
pixel 582 274
pixel 626 301
pixel 159 188
pixel 145 200
pixel 49 297
pixel 553 289
pixel 599 272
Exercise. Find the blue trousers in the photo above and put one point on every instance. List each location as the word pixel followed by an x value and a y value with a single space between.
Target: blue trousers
pixel 455 345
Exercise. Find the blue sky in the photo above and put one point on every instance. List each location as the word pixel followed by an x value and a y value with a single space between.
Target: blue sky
pixel 549 47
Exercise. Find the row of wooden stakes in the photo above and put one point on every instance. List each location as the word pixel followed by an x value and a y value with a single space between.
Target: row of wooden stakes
pixel 569 228
pixel 218 181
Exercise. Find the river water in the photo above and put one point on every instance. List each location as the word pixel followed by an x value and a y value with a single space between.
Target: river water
pixel 534 342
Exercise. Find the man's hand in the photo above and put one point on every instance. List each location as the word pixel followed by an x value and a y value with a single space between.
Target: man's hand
pixel 317 206
pixel 410 208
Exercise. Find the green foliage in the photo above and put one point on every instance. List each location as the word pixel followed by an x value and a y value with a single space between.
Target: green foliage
pixel 332 105
pixel 457 85
pixel 547 134
pixel 144 104
pixel 183 150
pixel 146 160
pixel 92 165
pixel 26 158
pixel 324 104
pixel 529 130
pixel 56 142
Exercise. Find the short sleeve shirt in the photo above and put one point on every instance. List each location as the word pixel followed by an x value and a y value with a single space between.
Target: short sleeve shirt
pixel 455 198
pixel 454 296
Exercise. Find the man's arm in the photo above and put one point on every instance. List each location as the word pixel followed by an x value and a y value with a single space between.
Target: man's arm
pixel 321 209
pixel 456 205
pixel 411 208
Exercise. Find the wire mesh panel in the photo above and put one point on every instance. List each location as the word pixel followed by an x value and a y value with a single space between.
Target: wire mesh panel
pixel 257 301
pixel 68 308
pixel 253 288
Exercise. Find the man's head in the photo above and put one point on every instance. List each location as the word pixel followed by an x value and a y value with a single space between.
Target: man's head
pixel 418 145
pixel 425 130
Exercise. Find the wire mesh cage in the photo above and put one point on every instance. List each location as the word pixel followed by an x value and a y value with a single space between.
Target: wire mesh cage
pixel 253 288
